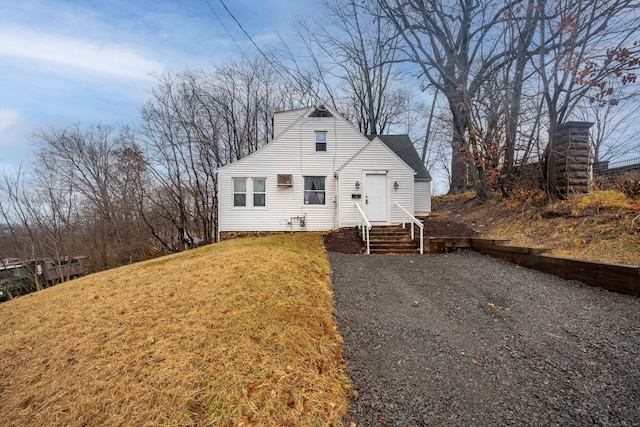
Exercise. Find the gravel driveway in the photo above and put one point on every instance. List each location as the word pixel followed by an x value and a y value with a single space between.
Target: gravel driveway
pixel 468 340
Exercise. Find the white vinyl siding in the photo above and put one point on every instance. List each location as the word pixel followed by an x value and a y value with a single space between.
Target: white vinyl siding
pixel 291 153
pixel 377 159
pixel 284 119
pixel 422 197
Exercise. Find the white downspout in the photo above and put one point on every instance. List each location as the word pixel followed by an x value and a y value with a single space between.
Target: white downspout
pixel 336 217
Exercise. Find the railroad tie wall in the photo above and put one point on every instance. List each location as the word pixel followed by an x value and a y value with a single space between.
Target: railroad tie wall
pixel 624 279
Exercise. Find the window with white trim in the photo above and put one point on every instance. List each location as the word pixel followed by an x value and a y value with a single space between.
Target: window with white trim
pixel 259 192
pixel 239 191
pixel 314 190
pixel 321 141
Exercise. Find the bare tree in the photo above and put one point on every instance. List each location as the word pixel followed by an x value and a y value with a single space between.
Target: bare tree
pixel 571 35
pixel 81 165
pixel 17 212
pixel 130 181
pixel 40 219
pixel 352 53
pixel 611 136
pixel 521 24
pixel 244 97
pixel 173 145
pixel 456 46
pixel 194 123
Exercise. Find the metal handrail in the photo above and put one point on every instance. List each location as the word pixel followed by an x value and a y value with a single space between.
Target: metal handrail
pixel 415 221
pixel 365 225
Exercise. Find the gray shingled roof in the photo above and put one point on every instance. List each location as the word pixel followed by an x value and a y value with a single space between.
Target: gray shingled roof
pixel 404 148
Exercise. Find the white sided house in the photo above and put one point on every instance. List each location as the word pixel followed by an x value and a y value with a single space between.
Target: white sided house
pixel 315 171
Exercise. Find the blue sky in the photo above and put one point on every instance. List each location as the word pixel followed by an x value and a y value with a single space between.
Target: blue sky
pixel 66 61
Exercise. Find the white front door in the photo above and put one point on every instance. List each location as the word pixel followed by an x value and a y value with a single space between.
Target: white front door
pixel 376 197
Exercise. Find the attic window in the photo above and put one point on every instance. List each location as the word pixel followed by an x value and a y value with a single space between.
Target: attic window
pixel 321 141
pixel 321 111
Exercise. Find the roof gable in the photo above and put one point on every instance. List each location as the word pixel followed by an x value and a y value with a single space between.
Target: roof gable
pixel 369 144
pixel 320 111
pixel 402 146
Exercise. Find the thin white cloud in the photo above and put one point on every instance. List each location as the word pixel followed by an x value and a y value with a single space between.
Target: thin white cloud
pixel 9 119
pixel 83 54
pixel 14 135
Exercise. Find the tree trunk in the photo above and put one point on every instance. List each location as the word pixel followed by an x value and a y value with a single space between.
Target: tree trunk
pixel 461 163
pixel 458 167
pixel 514 105
pixel 549 167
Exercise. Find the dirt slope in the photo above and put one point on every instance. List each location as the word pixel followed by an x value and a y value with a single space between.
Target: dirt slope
pixel 603 226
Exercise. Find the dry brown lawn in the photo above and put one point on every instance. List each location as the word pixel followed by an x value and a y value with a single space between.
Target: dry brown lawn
pixel 236 333
pixel 603 226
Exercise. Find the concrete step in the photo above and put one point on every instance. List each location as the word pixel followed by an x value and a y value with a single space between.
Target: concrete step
pixel 392 240
pixel 389 235
pixel 413 251
pixel 386 238
pixel 394 245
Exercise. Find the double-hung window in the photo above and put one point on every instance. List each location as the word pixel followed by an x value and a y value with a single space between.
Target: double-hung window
pixel 239 192
pixel 255 195
pixel 321 141
pixel 259 192
pixel 314 187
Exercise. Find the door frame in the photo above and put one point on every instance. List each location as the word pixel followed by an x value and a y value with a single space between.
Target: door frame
pixel 387 210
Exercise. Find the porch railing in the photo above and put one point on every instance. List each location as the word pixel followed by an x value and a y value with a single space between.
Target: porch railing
pixel 414 221
pixel 365 227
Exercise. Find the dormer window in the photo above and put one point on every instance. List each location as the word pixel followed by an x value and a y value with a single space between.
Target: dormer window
pixel 321 141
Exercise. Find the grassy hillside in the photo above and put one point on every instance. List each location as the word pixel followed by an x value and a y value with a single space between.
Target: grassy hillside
pixel 603 226
pixel 237 333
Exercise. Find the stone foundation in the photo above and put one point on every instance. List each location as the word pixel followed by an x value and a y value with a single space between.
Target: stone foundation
pixel 227 235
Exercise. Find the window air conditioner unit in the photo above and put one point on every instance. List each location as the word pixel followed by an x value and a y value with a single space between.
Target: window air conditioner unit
pixel 285 181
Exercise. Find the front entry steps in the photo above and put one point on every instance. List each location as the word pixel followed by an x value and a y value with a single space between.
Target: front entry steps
pixel 392 239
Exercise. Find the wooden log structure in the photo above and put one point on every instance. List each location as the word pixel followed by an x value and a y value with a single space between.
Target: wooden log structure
pixel 568 159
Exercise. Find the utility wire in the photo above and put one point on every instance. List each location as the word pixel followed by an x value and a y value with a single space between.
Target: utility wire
pixel 225 27
pixel 264 55
pixel 277 68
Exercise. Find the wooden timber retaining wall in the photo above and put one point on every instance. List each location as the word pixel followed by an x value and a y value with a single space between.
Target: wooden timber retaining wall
pixel 624 279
